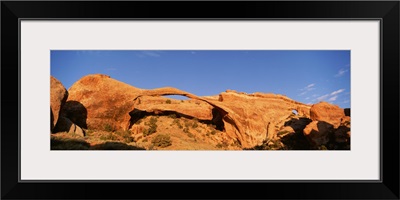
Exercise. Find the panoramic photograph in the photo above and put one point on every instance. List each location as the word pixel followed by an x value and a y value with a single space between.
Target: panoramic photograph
pixel 211 100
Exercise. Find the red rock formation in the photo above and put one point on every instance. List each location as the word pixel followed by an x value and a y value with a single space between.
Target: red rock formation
pixel 327 112
pixel 98 100
pixel 157 105
pixel 106 101
pixel 246 118
pixel 58 96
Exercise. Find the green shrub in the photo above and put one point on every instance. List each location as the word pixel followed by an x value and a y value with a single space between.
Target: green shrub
pixel 153 120
pixel 126 135
pixel 109 136
pixel 176 121
pixel 195 125
pixel 186 130
pixel 187 124
pixel 213 132
pixel 108 128
pixel 323 147
pixel 150 130
pixel 162 141
pixel 224 144
pixel 152 127
pixel 168 101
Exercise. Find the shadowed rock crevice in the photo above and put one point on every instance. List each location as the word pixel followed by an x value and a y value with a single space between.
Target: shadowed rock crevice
pixel 76 112
pixel 51 120
pixel 299 124
pixel 137 115
pixel 296 141
pixel 217 119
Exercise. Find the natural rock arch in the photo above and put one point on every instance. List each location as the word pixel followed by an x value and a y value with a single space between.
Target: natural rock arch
pixel 246 125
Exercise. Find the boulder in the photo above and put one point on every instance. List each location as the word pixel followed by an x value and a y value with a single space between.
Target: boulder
pixel 66 125
pixel 98 101
pixel 327 112
pixel 318 132
pixel 58 96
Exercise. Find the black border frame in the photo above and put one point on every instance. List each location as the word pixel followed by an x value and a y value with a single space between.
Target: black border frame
pixel 386 11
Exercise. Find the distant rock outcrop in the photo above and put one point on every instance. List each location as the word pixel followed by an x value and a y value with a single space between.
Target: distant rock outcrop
pixel 58 96
pixel 327 112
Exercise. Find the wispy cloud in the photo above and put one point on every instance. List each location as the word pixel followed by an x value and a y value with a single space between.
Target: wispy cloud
pixel 337 92
pixel 323 97
pixel 341 72
pixel 310 86
pixel 307 89
pixel 89 52
pixel 144 54
pixel 303 93
pixel 331 96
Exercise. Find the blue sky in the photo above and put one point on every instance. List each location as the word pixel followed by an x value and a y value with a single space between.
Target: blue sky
pixel 303 75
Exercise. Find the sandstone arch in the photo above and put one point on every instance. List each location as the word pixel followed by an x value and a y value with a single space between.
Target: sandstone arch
pixel 248 119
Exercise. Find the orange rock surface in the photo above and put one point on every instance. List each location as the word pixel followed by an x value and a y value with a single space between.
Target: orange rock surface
pixel 58 96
